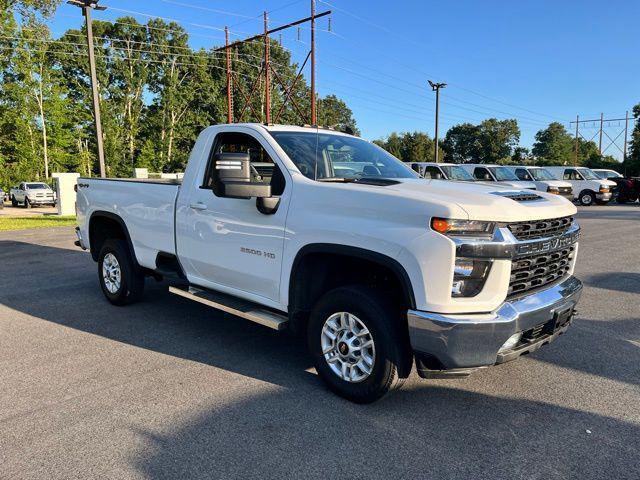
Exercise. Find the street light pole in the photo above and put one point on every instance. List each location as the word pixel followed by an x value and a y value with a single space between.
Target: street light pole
pixel 436 88
pixel 87 6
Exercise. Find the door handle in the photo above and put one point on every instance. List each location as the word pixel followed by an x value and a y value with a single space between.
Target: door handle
pixel 198 206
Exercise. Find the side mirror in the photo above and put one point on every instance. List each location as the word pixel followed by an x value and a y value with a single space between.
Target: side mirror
pixel 486 176
pixel 232 177
pixel 438 176
pixel 267 205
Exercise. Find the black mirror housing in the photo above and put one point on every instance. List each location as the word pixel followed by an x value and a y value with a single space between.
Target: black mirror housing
pixel 232 177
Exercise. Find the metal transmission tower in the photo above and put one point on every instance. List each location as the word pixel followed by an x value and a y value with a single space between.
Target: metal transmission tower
pixel 266 70
pixel 600 132
pixel 87 6
pixel 436 88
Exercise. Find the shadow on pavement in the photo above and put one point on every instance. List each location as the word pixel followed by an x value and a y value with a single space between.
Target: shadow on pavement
pixel 301 430
pixel 293 435
pixel 628 282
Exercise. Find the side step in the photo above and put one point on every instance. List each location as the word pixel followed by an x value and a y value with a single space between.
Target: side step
pixel 234 306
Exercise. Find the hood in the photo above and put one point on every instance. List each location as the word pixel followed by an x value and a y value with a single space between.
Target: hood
pixel 555 183
pixel 608 183
pixel 485 202
pixel 517 184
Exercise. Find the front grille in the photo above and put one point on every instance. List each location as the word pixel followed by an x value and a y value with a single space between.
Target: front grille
pixel 536 271
pixel 540 228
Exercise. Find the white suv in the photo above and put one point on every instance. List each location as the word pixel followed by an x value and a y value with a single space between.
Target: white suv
pixel 543 180
pixel 497 173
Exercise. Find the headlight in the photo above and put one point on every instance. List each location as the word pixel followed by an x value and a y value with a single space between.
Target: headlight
pixel 604 189
pixel 462 228
pixel 469 276
pixel 554 190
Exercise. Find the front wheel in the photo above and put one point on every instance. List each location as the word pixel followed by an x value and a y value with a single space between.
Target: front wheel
pixel 359 344
pixel 27 203
pixel 14 202
pixel 587 198
pixel 121 283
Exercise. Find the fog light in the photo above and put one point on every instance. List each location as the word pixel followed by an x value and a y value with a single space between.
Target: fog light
pixel 511 342
pixel 469 277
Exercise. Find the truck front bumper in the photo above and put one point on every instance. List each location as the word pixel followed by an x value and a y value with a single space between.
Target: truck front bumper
pixel 460 343
pixel 604 197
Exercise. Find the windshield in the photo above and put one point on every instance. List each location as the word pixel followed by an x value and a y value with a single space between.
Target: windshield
pixel 588 174
pixel 503 174
pixel 36 186
pixel 454 172
pixel 605 174
pixel 324 156
pixel 541 174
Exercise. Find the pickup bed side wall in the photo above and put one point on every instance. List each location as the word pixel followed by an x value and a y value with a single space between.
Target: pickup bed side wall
pixel 147 210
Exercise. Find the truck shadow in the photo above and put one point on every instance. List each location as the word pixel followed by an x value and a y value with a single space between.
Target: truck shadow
pixel 436 432
pixel 61 286
pixel 628 282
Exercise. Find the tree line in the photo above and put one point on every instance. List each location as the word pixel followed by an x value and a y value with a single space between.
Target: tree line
pixel 497 141
pixel 156 94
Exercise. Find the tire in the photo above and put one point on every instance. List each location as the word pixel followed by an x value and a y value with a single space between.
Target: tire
pixel 586 198
pixel 27 203
pixel 14 202
pixel 389 354
pixel 119 279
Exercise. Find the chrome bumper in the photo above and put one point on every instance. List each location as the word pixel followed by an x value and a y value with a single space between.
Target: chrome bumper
pixel 473 340
pixel 605 197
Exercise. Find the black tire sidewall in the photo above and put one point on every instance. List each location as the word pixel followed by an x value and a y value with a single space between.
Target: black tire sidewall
pixel 130 279
pixel 381 319
pixel 590 195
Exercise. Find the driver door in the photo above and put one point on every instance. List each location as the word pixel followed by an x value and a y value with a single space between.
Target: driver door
pixel 226 243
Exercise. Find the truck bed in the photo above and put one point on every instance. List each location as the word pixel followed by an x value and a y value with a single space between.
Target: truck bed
pixel 146 205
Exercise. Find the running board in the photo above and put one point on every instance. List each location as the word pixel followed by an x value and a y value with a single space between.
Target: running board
pixel 235 306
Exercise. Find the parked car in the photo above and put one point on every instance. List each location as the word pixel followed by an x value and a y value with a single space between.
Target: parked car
pixel 30 194
pixel 2 196
pixel 496 173
pixel 442 171
pixel 628 189
pixel 588 188
pixel 377 270
pixel 543 180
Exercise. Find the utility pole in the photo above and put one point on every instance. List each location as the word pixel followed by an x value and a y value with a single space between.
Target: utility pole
pixel 575 158
pixel 87 6
pixel 313 63
pixel 229 87
pixel 600 141
pixel 267 83
pixel 626 127
pixel 436 88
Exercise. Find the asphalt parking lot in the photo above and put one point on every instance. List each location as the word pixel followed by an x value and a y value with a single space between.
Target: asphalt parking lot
pixel 170 389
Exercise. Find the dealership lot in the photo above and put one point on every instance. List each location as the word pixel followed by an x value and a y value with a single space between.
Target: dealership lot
pixel 171 389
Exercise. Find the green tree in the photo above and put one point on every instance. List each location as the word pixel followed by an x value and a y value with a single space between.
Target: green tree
pixel 410 146
pixel 462 143
pixel 334 112
pixel 554 145
pixel 632 163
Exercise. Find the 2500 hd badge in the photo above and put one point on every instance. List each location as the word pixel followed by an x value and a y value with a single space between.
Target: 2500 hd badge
pixel 259 253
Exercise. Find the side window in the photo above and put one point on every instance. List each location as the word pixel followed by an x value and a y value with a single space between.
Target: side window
pixel 522 174
pixel 571 174
pixel 263 168
pixel 432 172
pixel 482 173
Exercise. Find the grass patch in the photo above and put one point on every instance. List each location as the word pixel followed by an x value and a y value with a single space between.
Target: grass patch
pixel 44 221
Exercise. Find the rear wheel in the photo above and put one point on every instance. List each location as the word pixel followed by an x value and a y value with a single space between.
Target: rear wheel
pixel 121 283
pixel 587 198
pixel 358 344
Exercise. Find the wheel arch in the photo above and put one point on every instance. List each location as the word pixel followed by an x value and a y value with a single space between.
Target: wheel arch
pixel 320 267
pixel 104 225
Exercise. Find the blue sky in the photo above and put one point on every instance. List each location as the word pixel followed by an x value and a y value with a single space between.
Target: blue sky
pixel 537 61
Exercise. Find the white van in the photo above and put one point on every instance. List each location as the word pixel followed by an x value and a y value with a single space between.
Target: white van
pixel 588 188
pixel 543 180
pixel 496 173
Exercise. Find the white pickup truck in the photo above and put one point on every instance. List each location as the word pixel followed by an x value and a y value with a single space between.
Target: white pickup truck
pixel 32 194
pixel 376 270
